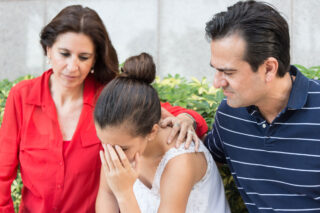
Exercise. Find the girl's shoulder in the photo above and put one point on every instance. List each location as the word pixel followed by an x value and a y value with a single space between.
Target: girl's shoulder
pixel 184 162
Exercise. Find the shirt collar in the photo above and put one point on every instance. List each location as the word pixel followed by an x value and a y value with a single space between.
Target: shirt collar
pixel 299 91
pixel 40 92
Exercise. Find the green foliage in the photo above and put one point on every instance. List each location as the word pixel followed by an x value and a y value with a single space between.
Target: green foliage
pixel 312 72
pixel 194 94
pixel 5 86
pixel 16 188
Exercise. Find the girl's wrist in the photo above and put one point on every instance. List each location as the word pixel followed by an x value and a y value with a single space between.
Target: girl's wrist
pixel 125 196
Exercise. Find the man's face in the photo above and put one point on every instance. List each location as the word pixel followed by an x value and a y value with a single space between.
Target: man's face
pixel 240 84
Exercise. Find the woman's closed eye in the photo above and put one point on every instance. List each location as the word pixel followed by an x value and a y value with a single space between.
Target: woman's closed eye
pixel 83 58
pixel 65 54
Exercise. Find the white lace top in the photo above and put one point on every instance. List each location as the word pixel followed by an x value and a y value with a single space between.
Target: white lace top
pixel 206 196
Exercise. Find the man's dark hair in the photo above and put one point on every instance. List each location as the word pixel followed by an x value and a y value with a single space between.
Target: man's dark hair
pixel 263 29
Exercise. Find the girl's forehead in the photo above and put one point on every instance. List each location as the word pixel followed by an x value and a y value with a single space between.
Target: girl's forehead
pixel 116 136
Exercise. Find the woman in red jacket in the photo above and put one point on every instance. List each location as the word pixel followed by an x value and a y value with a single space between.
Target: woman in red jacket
pixel 48 127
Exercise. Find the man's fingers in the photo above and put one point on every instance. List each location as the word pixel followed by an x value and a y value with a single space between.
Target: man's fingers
pixel 174 131
pixel 182 135
pixel 196 141
pixel 166 122
pixel 189 139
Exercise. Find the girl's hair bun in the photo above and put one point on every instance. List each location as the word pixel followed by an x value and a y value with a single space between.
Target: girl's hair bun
pixel 140 68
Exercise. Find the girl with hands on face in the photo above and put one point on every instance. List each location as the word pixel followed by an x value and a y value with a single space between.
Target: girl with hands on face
pixel 141 172
pixel 120 176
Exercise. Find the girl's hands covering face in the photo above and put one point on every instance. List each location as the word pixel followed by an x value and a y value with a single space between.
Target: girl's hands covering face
pixel 120 174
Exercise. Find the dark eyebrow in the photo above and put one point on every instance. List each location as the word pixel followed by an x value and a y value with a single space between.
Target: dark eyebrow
pixel 226 69
pixel 84 53
pixel 223 69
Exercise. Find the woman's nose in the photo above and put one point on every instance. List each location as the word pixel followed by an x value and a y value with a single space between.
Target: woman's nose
pixel 73 64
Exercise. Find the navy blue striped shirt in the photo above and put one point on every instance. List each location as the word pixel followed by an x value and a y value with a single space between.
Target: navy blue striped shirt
pixel 276 166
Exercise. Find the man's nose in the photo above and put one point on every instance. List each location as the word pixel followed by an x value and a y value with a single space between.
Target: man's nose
pixel 219 80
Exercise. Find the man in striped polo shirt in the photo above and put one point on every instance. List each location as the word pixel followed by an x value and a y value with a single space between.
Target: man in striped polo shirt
pixel 268 127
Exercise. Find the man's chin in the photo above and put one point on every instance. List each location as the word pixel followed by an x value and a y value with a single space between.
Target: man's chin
pixel 234 104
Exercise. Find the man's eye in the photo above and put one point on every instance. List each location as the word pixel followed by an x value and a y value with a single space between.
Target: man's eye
pixel 228 73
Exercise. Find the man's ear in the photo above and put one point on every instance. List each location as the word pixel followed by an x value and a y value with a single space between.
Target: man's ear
pixel 271 68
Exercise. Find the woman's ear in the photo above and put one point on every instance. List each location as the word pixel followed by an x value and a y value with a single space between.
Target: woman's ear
pixel 48 50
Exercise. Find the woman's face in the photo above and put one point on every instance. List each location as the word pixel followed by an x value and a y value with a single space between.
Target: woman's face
pixel 72 56
pixel 119 136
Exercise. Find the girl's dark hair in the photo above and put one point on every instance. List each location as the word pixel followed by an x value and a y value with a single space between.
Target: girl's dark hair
pixel 129 99
pixel 84 20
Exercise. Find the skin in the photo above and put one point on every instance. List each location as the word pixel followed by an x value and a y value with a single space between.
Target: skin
pixel 126 158
pixel 243 87
pixel 182 125
pixel 71 56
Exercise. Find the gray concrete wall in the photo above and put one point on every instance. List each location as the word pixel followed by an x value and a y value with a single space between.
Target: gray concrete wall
pixel 171 30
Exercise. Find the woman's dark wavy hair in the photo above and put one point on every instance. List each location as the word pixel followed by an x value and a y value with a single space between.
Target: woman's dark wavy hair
pixel 84 20
pixel 129 99
pixel 264 30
